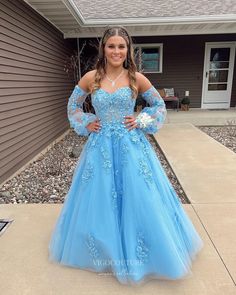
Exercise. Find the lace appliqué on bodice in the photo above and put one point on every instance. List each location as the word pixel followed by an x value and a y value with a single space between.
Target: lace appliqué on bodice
pixel 111 108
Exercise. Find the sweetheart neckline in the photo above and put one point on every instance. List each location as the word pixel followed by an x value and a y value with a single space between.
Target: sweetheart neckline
pixel 110 93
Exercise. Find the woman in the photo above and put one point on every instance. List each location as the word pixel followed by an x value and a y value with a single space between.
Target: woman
pixel 121 215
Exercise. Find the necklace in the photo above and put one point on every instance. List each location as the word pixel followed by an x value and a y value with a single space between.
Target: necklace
pixel 113 82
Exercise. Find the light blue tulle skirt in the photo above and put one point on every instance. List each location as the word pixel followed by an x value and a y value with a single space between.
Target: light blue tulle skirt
pixel 122 216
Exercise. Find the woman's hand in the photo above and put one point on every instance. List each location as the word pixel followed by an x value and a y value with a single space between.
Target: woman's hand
pixel 94 126
pixel 130 122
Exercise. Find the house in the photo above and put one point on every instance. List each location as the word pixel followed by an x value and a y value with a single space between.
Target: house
pixel 189 46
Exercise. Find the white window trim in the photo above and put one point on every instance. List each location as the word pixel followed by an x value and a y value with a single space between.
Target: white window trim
pixel 151 45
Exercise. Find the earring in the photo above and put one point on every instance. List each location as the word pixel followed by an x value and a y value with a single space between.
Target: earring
pixel 105 61
pixel 126 63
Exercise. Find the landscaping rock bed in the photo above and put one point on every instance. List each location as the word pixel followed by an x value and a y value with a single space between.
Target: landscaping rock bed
pixel 223 134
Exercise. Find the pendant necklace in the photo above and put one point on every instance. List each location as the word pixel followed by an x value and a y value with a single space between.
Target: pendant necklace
pixel 113 82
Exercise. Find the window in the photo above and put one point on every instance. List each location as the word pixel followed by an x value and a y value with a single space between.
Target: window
pixel 148 57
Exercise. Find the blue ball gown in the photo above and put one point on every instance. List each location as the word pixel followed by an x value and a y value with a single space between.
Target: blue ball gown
pixel 121 215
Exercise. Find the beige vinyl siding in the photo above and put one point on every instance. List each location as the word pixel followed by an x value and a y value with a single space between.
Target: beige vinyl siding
pixel 33 85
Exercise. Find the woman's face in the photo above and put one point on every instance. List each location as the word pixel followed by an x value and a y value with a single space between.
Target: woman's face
pixel 115 50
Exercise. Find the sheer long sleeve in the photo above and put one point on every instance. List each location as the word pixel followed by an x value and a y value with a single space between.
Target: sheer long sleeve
pixel 77 117
pixel 151 118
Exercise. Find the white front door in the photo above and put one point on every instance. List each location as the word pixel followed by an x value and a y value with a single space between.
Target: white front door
pixel 218 75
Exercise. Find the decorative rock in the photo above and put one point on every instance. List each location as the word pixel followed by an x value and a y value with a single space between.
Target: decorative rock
pixel 76 152
pixel 5 194
pixel 53 197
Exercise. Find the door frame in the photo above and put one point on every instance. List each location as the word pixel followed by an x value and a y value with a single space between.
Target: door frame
pixel 230 83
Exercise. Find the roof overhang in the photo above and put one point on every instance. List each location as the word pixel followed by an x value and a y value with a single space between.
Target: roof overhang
pixel 66 16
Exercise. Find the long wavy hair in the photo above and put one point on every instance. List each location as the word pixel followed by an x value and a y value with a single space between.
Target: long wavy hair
pixel 129 64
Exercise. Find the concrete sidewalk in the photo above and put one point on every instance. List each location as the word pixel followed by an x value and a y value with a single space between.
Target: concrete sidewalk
pixel 206 170
pixel 198 117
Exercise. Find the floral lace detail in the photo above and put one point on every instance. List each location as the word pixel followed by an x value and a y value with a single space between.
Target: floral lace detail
pixel 145 171
pixel 90 243
pixel 144 120
pixel 114 196
pixel 124 152
pixel 112 107
pixel 142 252
pixel 134 136
pixel 93 141
pixel 115 130
pixel 106 160
pixel 88 172
pixel 77 118
pixel 145 147
pixel 155 114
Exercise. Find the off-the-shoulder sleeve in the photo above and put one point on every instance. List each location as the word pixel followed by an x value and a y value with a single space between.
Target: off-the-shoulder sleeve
pixel 77 117
pixel 151 118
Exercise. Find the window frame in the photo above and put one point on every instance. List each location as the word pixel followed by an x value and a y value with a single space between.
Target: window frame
pixel 150 45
